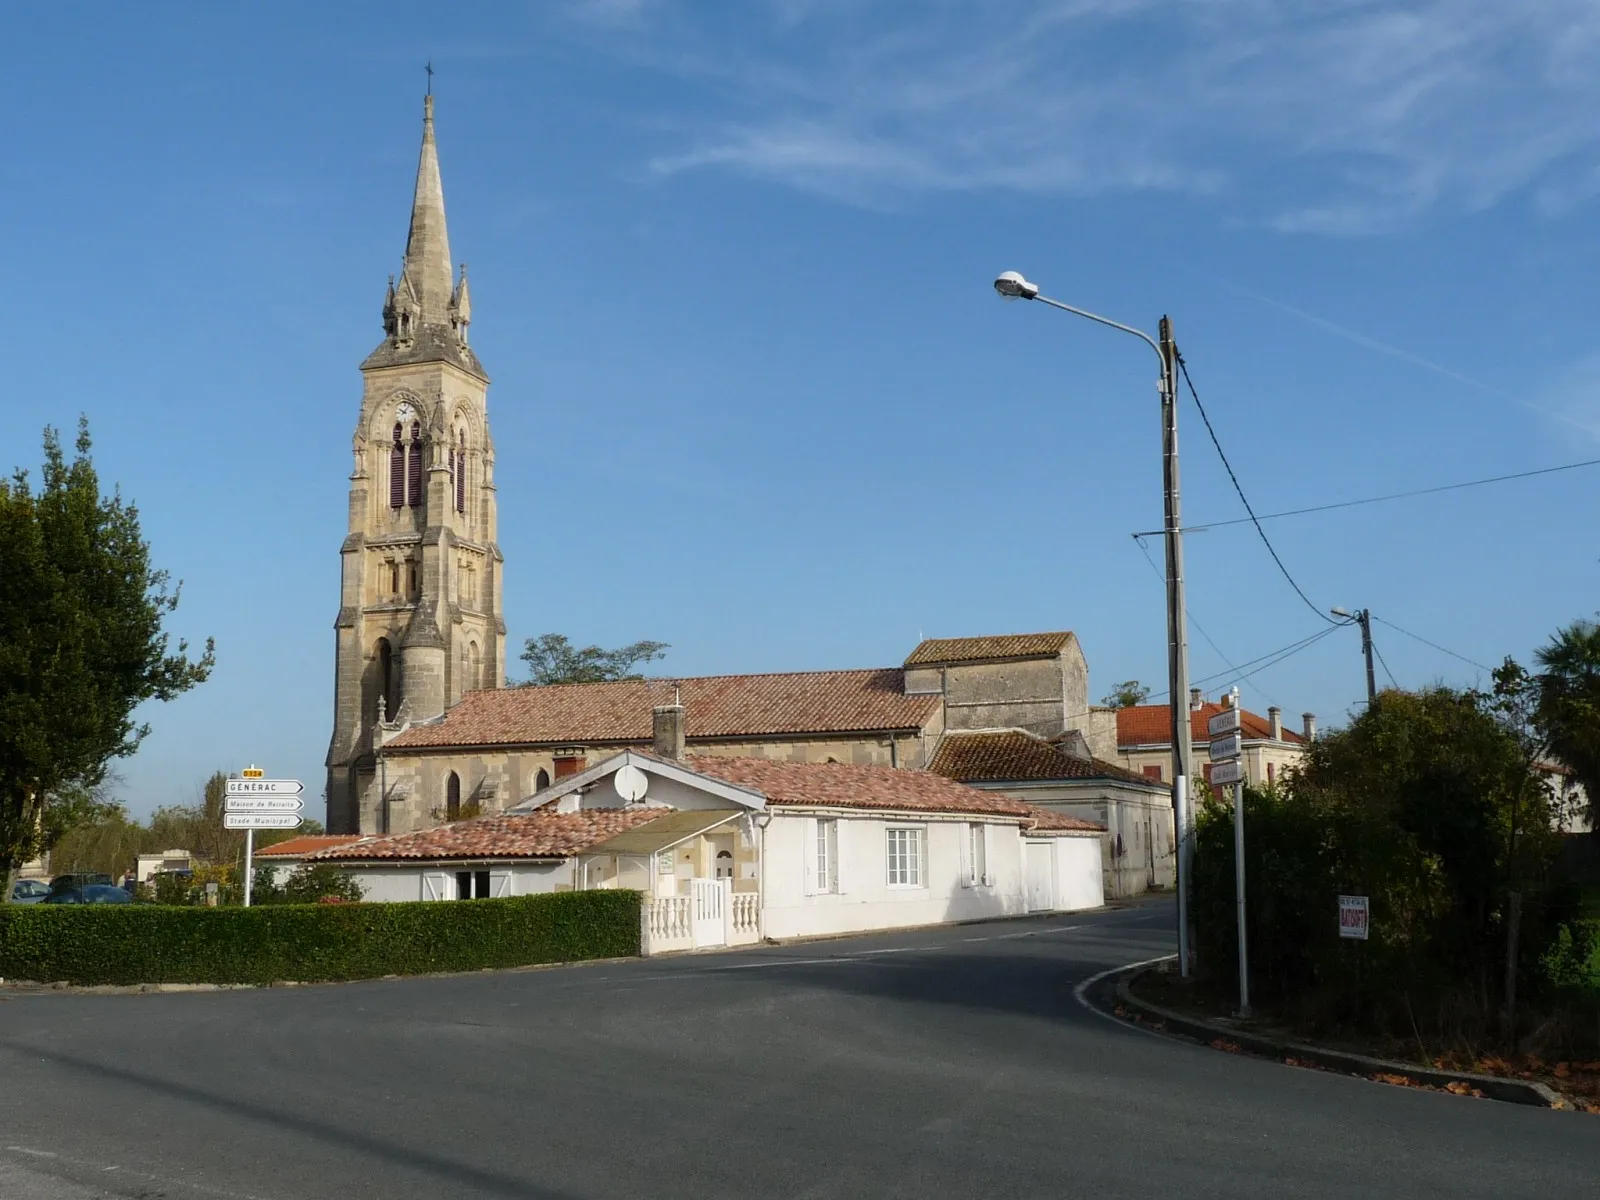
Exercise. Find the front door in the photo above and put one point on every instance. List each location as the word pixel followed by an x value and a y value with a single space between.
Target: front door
pixel 706 900
pixel 1038 860
pixel 722 856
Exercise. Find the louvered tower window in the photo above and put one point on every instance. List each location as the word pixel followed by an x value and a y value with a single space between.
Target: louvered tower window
pixel 414 466
pixel 397 470
pixel 461 471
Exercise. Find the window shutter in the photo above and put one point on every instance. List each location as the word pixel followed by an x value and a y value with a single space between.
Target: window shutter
pixel 499 883
pixel 414 466
pixel 461 476
pixel 841 838
pixel 987 841
pixel 964 856
pixel 808 837
pixel 397 471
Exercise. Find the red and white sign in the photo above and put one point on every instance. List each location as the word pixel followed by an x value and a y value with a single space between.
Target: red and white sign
pixel 1353 917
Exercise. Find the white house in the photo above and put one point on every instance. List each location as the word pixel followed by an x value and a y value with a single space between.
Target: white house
pixel 1059 774
pixel 728 850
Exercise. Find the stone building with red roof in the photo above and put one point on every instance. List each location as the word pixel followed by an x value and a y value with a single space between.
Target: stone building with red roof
pixel 1144 740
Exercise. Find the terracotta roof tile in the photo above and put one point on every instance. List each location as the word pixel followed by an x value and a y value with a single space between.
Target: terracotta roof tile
pixel 717 706
pixel 847 785
pixel 975 649
pixel 1150 725
pixel 1013 755
pixel 524 835
pixel 1048 820
pixel 307 843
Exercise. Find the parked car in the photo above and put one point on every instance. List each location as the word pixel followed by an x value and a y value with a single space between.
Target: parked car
pixel 29 891
pixel 94 893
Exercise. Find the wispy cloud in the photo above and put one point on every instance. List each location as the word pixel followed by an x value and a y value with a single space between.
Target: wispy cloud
pixel 1326 116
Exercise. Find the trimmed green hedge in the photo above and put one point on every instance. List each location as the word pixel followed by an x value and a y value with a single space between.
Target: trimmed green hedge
pixel 123 944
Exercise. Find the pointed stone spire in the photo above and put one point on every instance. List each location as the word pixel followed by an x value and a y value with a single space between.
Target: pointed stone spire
pixel 427 266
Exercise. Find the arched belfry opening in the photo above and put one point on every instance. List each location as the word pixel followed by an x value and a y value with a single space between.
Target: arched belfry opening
pixel 452 797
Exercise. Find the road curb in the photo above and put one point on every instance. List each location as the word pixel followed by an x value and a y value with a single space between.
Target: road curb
pixel 1493 1087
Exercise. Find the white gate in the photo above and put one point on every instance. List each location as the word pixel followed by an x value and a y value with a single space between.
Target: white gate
pixel 707 899
pixel 1039 875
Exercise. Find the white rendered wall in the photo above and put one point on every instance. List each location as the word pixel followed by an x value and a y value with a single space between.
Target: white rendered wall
pixel 865 899
pixel 404 882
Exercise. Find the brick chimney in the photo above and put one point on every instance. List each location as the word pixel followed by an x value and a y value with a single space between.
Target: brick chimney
pixel 1310 727
pixel 666 723
pixel 1196 700
pixel 1275 718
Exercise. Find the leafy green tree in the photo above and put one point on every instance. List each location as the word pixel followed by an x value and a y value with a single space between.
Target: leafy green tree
pixel 1569 705
pixel 1126 694
pixel 309 883
pixel 81 642
pixel 552 658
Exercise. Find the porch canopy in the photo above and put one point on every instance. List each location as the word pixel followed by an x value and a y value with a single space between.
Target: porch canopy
pixel 634 849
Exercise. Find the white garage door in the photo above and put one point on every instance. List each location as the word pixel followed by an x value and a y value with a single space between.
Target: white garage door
pixel 1039 871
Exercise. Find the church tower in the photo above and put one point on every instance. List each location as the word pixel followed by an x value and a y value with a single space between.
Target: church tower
pixel 420 600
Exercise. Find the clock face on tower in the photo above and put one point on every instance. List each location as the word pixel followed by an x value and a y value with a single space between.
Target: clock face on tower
pixel 405 412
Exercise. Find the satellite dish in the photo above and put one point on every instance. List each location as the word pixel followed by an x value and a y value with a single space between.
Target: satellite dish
pixel 631 783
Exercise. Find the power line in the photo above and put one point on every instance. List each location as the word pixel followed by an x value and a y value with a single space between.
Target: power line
pixel 1445 487
pixel 1442 649
pixel 1386 670
pixel 1270 660
pixel 1200 629
pixel 1266 541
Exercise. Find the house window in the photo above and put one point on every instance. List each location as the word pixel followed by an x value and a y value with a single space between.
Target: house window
pixel 905 857
pixel 827 851
pixel 472 885
pixel 1153 773
pixel 977 866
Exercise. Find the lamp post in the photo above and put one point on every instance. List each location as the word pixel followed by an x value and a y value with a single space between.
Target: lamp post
pixel 1013 286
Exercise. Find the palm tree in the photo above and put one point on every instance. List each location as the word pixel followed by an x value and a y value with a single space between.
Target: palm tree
pixel 1569 706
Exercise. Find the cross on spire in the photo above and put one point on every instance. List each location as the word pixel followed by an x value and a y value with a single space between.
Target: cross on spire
pixel 429 70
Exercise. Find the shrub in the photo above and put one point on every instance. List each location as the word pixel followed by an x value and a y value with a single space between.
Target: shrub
pixel 126 944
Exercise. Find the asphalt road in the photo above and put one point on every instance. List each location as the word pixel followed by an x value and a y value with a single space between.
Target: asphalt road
pixel 937 1063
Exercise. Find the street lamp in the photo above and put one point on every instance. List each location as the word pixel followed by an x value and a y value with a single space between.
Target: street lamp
pixel 1012 286
pixel 1363 618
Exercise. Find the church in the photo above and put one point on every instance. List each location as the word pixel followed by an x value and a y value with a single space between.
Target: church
pixel 419 619
pixel 426 734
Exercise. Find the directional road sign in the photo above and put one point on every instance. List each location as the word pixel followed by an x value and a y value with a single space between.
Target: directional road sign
pixel 1227 772
pixel 1226 721
pixel 1225 748
pixel 234 820
pixel 263 804
pixel 265 787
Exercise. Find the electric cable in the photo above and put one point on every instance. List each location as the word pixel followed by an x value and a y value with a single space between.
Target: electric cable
pixel 1442 649
pixel 1446 487
pixel 1386 670
pixel 1256 521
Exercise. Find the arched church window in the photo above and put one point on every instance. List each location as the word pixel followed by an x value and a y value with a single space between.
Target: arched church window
pixel 452 797
pixel 461 471
pixel 388 690
pixel 541 780
pixel 397 470
pixel 394 579
pixel 414 466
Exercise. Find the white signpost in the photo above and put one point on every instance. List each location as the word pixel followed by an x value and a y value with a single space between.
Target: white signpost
pixel 253 802
pixel 1353 917
pixel 1227 748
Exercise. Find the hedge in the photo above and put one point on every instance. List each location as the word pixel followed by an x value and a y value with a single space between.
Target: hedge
pixel 126 944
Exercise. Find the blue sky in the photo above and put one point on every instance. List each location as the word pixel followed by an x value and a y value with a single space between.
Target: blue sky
pixel 753 394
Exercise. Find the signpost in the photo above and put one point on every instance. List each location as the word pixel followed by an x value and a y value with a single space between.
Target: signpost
pixel 255 802
pixel 1227 747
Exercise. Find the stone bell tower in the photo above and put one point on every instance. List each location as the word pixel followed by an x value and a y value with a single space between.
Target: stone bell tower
pixel 420 594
